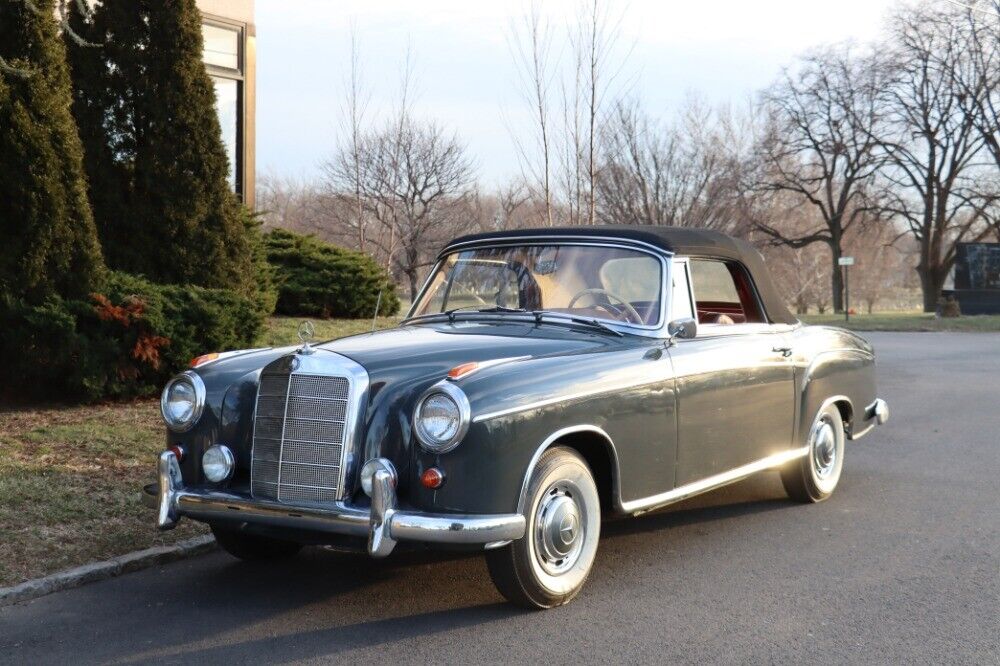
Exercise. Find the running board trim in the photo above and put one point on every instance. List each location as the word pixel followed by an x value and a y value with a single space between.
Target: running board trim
pixel 645 504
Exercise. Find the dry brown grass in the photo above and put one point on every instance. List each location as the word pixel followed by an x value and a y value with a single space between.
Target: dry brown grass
pixel 69 486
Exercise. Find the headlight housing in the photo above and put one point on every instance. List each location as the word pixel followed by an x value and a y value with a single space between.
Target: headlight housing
pixel 442 417
pixel 218 463
pixel 183 401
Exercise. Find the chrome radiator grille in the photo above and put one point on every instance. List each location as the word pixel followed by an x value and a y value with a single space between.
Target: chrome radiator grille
pixel 299 450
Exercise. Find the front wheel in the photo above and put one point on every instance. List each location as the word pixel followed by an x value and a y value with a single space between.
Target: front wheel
pixel 549 566
pixel 814 477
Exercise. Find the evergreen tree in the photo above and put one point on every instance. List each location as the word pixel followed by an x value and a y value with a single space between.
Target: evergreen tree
pixel 50 244
pixel 154 153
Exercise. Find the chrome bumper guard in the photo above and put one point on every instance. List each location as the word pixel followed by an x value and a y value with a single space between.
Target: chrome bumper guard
pixel 384 523
pixel 878 410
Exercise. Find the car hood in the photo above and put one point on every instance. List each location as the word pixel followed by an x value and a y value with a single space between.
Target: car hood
pixel 430 350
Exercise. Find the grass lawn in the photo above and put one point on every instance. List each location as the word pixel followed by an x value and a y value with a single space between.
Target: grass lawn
pixel 70 477
pixel 908 321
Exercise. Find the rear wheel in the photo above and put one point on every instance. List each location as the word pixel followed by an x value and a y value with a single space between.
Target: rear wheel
pixel 814 477
pixel 252 546
pixel 549 566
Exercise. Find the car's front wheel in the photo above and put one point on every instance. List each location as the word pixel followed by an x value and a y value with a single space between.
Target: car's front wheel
pixel 549 566
pixel 814 477
pixel 252 546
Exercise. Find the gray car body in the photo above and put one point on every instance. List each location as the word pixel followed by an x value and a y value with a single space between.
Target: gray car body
pixel 654 417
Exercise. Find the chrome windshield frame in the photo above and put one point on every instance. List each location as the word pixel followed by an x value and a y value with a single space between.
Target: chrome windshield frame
pixel 655 331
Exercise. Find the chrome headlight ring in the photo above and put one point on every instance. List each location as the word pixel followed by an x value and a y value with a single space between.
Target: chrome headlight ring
pixel 197 387
pixel 463 412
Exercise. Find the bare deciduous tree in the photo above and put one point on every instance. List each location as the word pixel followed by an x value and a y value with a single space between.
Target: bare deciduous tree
pixel 939 182
pixel 414 175
pixel 821 148
pixel 680 175
pixel 532 56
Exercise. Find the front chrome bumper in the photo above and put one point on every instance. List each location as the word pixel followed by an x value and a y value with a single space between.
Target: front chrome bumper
pixel 384 523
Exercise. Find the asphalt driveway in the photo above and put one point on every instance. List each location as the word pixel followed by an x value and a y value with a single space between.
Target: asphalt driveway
pixel 901 565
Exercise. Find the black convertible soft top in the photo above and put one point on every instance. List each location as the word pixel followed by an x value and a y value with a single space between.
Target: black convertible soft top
pixel 678 240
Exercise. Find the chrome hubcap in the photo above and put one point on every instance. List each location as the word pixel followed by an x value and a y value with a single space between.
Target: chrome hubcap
pixel 824 449
pixel 558 530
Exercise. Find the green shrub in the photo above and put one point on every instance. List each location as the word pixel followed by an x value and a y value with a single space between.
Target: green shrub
pixel 49 239
pixel 155 161
pixel 316 279
pixel 125 342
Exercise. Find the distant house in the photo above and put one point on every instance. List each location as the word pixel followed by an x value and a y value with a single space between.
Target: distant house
pixel 231 59
pixel 976 278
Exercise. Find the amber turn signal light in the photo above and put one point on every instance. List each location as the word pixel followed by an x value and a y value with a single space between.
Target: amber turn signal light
pixel 460 371
pixel 432 478
pixel 203 359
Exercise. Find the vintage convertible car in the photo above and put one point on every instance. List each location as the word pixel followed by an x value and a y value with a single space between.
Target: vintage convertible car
pixel 542 379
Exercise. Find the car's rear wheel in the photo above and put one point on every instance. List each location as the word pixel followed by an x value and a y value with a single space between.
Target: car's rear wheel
pixel 549 566
pixel 253 546
pixel 814 477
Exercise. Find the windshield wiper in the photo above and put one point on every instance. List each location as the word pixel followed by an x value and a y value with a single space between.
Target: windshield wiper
pixel 593 323
pixel 497 308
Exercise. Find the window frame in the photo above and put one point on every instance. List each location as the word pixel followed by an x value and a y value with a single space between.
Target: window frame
pixel 239 76
pixel 664 258
pixel 743 328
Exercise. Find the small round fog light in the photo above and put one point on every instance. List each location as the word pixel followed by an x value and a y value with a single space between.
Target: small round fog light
pixel 218 463
pixel 368 473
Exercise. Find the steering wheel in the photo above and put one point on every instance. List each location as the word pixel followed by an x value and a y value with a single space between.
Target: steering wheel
pixel 626 309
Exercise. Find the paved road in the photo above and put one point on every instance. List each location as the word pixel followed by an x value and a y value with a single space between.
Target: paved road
pixel 902 565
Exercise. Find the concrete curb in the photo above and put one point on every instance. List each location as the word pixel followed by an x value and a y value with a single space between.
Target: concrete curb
pixel 116 566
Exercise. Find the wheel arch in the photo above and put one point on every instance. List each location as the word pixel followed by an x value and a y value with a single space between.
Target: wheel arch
pixel 597 448
pixel 844 377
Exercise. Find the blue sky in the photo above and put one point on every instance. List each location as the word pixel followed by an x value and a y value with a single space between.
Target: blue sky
pixel 464 72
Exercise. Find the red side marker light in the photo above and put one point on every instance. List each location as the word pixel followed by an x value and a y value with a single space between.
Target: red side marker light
pixel 432 478
pixel 178 451
pixel 460 371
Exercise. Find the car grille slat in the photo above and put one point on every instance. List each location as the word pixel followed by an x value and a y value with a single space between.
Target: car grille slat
pixel 298 443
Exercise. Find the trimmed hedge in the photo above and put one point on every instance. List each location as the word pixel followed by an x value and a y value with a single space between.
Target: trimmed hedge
pixel 124 342
pixel 317 279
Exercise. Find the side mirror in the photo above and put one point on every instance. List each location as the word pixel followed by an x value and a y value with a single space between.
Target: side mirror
pixel 683 329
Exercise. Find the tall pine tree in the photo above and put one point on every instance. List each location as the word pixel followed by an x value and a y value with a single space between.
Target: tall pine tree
pixel 154 154
pixel 49 240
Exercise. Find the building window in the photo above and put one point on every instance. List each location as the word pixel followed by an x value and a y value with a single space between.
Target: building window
pixel 223 57
pixel 227 104
pixel 222 46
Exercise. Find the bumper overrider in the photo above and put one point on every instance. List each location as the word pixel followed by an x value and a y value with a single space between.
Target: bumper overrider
pixel 384 523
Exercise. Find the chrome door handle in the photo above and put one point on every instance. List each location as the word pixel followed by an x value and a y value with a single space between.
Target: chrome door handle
pixel 784 351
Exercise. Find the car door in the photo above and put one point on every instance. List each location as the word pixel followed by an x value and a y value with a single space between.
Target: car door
pixel 734 381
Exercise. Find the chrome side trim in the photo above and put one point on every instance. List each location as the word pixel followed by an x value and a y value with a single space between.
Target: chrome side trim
pixel 583 427
pixel 486 416
pixel 639 506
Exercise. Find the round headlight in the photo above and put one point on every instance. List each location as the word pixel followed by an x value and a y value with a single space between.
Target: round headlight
pixel 218 463
pixel 442 418
pixel 182 401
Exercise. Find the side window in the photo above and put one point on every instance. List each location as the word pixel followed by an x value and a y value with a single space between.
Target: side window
pixel 680 293
pixel 724 293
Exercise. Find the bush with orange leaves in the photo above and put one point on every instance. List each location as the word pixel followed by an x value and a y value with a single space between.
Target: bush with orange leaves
pixel 124 342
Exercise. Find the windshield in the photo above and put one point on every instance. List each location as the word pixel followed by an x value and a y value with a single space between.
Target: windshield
pixel 607 283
